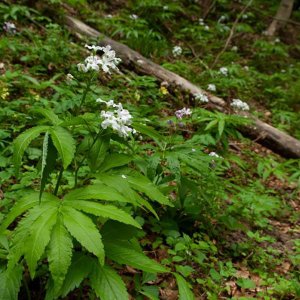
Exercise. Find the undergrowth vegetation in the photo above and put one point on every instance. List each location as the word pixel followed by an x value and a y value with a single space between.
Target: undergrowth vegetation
pixel 114 184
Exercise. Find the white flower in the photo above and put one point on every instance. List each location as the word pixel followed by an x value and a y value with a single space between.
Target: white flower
pixel 239 105
pixel 69 77
pixel 2 66
pixel 166 7
pixel 246 68
pixel 109 16
pixel 214 154
pixel 9 27
pixel 201 97
pixel 177 51
pixel 193 150
pixel 123 176
pixel 221 19
pixel 223 71
pixel 206 27
pixel 118 119
pixel 133 17
pixel 201 21
pixel 212 87
pixel 234 48
pixel 183 112
pixel 107 61
pixel 277 40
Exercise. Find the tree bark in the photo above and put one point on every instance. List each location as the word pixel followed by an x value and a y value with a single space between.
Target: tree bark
pixel 282 16
pixel 261 132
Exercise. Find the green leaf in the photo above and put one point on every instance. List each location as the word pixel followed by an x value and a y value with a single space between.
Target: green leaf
pixel 48 114
pixel 10 282
pixel 184 291
pixel 106 211
pixel 60 254
pixel 64 143
pixel 151 132
pixel 98 152
pixel 97 192
pixel 221 126
pixel 84 231
pixel 123 252
pixel 115 160
pixel 107 284
pixel 24 204
pixel 22 142
pixel 246 283
pixel 48 162
pixel 80 268
pixel 39 237
pixel 211 124
pixel 144 185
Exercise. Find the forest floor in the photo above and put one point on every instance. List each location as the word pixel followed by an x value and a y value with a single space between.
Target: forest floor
pixel 241 240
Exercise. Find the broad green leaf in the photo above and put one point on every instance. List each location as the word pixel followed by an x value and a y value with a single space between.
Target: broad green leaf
pixel 123 252
pixel 64 143
pixel 122 186
pixel 221 126
pixel 39 238
pixel 144 185
pixel 80 268
pixel 22 232
pixel 60 253
pixel 24 204
pixel 106 211
pixel 48 114
pixel 98 152
pixel 84 231
pixel 10 282
pixel 149 131
pixel 107 284
pixel 115 160
pixel 184 291
pixel 211 124
pixel 97 192
pixel 22 142
pixel 48 162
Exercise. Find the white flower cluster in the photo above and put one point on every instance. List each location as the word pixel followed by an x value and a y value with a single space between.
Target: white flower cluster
pixel 107 61
pixel 183 112
pixel 177 51
pixel 201 22
pixel 9 27
pixel 201 97
pixel 239 105
pixel 118 119
pixel 214 154
pixel 133 17
pixel 212 87
pixel 223 71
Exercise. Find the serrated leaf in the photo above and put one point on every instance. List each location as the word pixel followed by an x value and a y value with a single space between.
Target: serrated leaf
pixel 48 114
pixel 24 204
pixel 49 157
pixel 60 254
pixel 84 231
pixel 115 160
pixel 123 252
pixel 80 268
pixel 106 211
pixel 107 284
pixel 184 291
pixel 39 238
pixel 98 152
pixel 64 143
pixel 10 282
pixel 149 131
pixel 144 185
pixel 22 142
pixel 96 192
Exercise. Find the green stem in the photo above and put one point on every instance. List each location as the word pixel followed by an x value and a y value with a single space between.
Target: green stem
pixel 83 159
pixel 85 93
pixel 58 180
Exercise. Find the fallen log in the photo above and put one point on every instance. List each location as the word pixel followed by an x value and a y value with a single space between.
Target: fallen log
pixel 263 133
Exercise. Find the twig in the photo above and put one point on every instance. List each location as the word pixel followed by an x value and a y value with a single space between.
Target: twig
pixel 231 34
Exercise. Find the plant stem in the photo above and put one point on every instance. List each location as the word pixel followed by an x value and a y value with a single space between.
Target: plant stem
pixel 85 93
pixel 26 289
pixel 58 180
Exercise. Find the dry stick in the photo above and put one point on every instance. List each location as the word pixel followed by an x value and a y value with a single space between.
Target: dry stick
pixel 230 34
pixel 269 136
